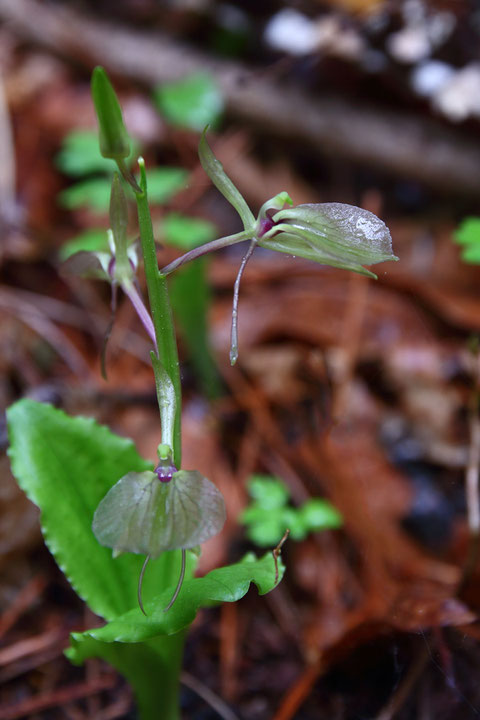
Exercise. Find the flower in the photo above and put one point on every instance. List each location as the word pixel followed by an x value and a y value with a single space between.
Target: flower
pixel 335 234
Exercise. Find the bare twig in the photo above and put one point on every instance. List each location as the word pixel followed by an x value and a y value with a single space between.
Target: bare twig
pixel 27 708
pixel 220 707
pixel 298 692
pixel 276 552
pixel 24 600
pixel 471 478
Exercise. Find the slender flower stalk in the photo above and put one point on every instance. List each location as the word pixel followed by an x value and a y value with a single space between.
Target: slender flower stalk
pixel 236 292
pixel 204 249
pixel 160 306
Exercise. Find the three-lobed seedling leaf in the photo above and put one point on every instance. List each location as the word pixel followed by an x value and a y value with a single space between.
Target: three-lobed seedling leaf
pixel 468 237
pixel 269 514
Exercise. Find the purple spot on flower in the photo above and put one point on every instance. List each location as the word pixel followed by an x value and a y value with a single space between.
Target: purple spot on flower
pixel 266 224
pixel 111 268
pixel 165 471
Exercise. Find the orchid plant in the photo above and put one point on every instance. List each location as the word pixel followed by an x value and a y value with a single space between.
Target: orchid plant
pixel 94 491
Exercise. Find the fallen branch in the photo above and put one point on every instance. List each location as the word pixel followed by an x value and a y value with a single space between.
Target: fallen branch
pixel 398 143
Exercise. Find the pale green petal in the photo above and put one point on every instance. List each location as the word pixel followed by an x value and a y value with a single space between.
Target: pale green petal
pixel 140 514
pixel 350 233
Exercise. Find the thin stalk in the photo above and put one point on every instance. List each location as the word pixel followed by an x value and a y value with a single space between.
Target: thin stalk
pixel 160 308
pixel 180 581
pixel 236 292
pixel 472 472
pixel 204 249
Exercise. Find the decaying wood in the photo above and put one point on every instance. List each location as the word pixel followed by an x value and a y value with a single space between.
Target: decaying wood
pixel 398 143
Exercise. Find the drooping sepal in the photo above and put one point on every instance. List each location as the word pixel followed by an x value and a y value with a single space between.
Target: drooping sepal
pixel 141 514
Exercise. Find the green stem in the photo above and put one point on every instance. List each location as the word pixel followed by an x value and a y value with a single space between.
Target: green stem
pixel 160 309
pixel 208 247
pixel 153 670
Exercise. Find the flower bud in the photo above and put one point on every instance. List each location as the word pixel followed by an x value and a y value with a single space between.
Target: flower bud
pixel 114 139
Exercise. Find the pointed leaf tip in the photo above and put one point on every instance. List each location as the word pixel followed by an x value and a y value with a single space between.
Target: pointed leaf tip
pixel 114 139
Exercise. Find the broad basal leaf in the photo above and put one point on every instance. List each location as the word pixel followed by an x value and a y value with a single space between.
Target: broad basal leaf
pixel 66 466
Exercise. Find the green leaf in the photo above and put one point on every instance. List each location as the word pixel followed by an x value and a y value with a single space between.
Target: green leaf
pixel 318 514
pixel 88 241
pixel 269 492
pixel 113 136
pixel 222 182
pixel 292 519
pixel 66 465
pixel 469 232
pixel 193 102
pixel 93 193
pixel 333 234
pixel 268 531
pixel 471 254
pixel 142 514
pixel 226 584
pixel 80 155
pixel 163 183
pixel 186 233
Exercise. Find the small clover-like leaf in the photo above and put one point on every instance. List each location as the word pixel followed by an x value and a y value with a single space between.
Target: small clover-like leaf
pixel 268 492
pixel 333 234
pixel 192 102
pixel 319 514
pixel 142 514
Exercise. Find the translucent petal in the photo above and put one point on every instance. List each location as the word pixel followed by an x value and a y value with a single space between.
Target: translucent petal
pixel 349 234
pixel 140 514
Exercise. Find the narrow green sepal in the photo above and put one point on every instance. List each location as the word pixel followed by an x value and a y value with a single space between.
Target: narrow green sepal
pixel 222 182
pixel 114 139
